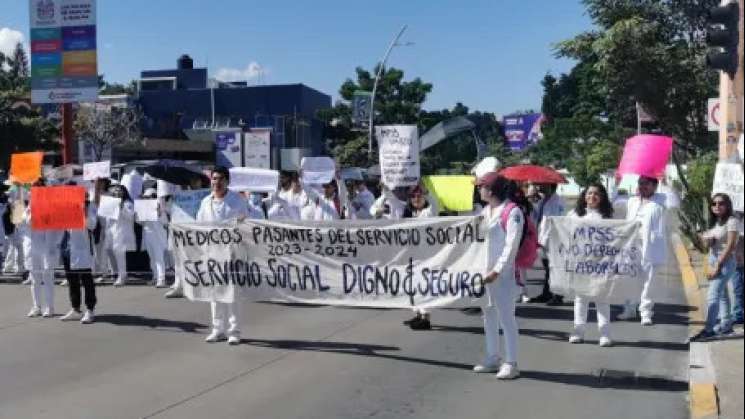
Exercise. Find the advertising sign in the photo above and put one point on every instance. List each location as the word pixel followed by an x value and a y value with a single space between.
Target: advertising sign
pixel 257 149
pixel 64 65
pixel 228 148
pixel 522 131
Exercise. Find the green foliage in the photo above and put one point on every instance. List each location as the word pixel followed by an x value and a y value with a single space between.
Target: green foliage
pixel 694 211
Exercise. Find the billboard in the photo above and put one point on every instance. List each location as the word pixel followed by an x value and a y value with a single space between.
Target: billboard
pixel 522 130
pixel 256 145
pixel 64 65
pixel 229 149
pixel 361 105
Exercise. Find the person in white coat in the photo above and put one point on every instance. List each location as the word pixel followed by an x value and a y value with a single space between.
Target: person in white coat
pixel 38 248
pixel 289 201
pixel 219 206
pixel 361 203
pixel 155 239
pixel 14 259
pixel 120 233
pixel 78 261
pixel 647 210
pixel 390 205
pixel 501 284
pixel 593 204
pixel 327 205
pixel 550 204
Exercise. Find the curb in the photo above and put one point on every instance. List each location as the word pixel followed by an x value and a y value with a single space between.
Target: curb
pixel 703 402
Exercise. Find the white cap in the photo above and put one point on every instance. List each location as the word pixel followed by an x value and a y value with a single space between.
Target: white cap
pixel 150 193
pixel 488 164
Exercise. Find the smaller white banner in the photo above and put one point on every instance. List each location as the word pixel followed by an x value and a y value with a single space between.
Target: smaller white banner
pixel 97 170
pixel 317 170
pixel 108 207
pixel 399 154
pixel 598 259
pixel 728 179
pixel 146 209
pixel 256 149
pixel 253 180
pixel 186 205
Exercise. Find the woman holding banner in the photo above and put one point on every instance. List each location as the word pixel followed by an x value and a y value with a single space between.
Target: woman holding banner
pixel 593 204
pixel 505 221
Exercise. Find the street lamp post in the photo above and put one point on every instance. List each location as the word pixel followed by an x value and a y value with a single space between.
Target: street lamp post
pixel 375 88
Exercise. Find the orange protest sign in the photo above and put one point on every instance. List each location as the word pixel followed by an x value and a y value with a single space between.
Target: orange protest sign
pixel 25 167
pixel 57 208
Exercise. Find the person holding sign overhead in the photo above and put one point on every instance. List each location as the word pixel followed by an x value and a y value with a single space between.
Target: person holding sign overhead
pixel 501 284
pixel 219 206
pixel 594 204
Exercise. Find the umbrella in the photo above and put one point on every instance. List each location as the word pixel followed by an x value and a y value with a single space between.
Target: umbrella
pixel 177 175
pixel 532 173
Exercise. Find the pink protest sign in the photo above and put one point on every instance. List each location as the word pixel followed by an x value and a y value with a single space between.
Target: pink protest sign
pixel 646 155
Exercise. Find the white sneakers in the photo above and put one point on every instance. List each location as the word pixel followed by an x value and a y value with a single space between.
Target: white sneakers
pixel 161 283
pixel 215 336
pixel 49 312
pixel 35 312
pixel 72 315
pixel 174 293
pixel 508 371
pixel 119 282
pixel 487 366
pixel 99 280
pixel 605 342
pixel 234 340
pixel 88 318
pixel 576 338
pixel 647 321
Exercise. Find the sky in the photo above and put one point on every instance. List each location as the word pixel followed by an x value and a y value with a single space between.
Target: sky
pixel 488 54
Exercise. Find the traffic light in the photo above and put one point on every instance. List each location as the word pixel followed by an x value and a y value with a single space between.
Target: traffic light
pixel 724 37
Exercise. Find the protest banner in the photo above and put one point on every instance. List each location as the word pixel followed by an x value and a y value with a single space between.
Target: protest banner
pixel 109 207
pixel 598 259
pixel 728 179
pixel 58 208
pixel 146 209
pixel 646 155
pixel 317 170
pixel 423 262
pixel 253 180
pixel 185 205
pixel 399 154
pixel 25 167
pixel 97 170
pixel 454 193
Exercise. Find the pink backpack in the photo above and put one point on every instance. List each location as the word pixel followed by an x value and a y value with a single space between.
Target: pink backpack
pixel 528 251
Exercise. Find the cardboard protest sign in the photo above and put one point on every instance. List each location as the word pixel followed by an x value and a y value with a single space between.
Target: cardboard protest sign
pixel 185 205
pixel 253 180
pixel 399 154
pixel 317 170
pixel 97 170
pixel 417 262
pixel 58 208
pixel 454 193
pixel 728 179
pixel 146 209
pixel 598 259
pixel 109 207
pixel 646 155
pixel 26 167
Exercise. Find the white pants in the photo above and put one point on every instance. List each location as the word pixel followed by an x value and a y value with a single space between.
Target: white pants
pixel 156 254
pixel 499 311
pixel 14 254
pixel 646 307
pixel 580 316
pixel 101 263
pixel 226 317
pixel 120 259
pixel 41 272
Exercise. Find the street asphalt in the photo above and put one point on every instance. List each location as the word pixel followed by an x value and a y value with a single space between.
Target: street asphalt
pixel 145 358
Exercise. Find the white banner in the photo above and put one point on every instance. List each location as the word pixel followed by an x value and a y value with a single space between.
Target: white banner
pixel 399 154
pixel 427 262
pixel 599 259
pixel 186 205
pixel 256 148
pixel 96 170
pixel 253 180
pixel 108 207
pixel 146 209
pixel 317 170
pixel 728 179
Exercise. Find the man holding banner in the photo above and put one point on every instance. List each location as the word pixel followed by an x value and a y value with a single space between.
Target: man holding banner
pixel 223 205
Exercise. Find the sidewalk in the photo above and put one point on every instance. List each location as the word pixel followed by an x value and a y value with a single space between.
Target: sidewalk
pixel 725 357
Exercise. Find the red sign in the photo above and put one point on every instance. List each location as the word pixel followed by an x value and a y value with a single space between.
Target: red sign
pixel 57 208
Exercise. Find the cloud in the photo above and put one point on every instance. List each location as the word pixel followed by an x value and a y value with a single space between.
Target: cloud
pixel 252 71
pixel 8 40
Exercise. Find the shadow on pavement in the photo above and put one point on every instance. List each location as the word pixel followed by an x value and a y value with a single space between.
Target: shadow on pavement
pixel 130 320
pixel 609 379
pixel 540 311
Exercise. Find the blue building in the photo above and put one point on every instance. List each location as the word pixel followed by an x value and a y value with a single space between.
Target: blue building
pixel 183 103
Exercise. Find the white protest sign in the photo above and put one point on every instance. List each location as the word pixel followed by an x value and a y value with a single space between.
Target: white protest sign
pixel 146 209
pixel 185 205
pixel 419 262
pixel 109 207
pixel 352 173
pixel 399 154
pixel 256 149
pixel 61 173
pixel 713 114
pixel 253 180
pixel 317 170
pixel 728 179
pixel 598 259
pixel 96 170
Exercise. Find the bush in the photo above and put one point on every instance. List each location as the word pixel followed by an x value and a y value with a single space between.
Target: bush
pixel 694 209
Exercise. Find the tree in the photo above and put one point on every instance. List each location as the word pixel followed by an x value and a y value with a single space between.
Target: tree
pixel 103 129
